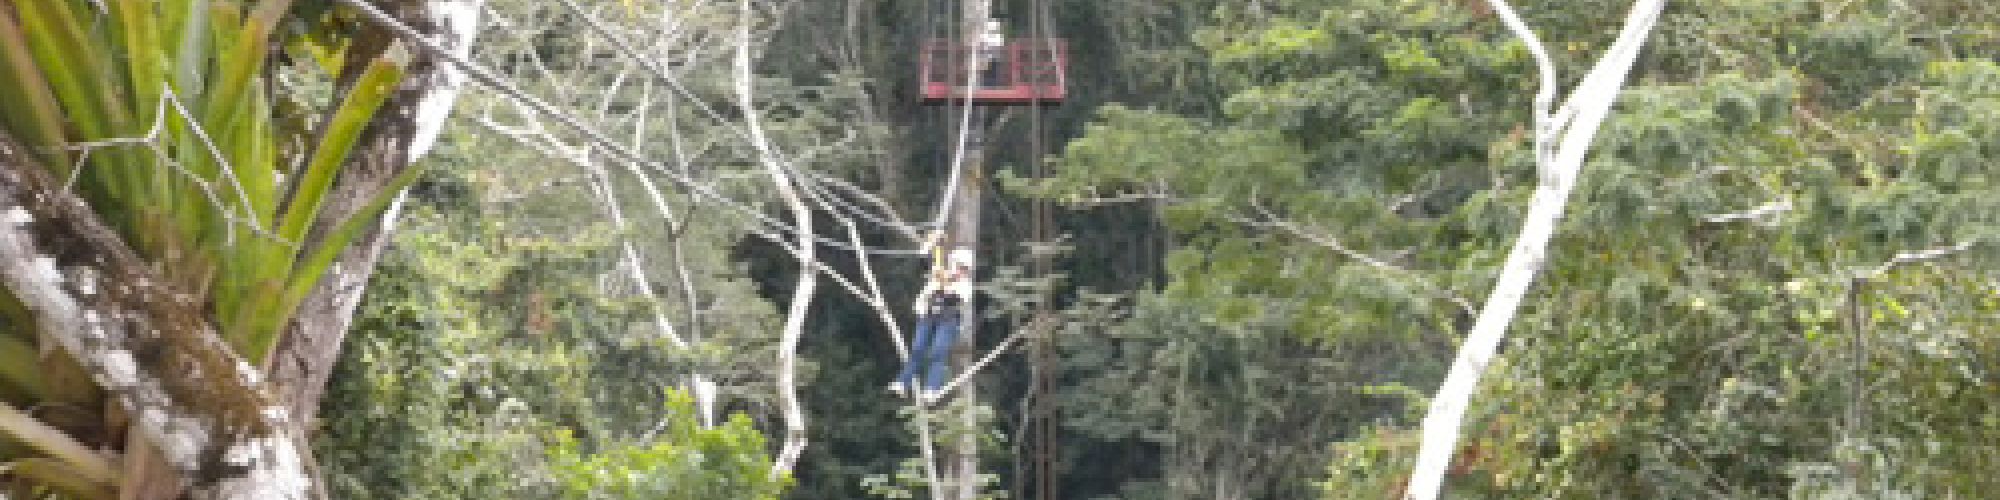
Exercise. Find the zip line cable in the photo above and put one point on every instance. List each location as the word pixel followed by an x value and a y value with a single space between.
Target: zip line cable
pixel 958 154
pixel 541 145
pixel 921 402
pixel 545 144
pixel 972 50
pixel 890 218
pixel 809 182
pixel 875 299
pixel 653 66
pixel 636 164
pixel 1035 145
pixel 483 76
pixel 658 70
pixel 806 179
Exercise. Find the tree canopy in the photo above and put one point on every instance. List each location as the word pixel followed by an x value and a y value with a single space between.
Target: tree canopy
pixel 666 249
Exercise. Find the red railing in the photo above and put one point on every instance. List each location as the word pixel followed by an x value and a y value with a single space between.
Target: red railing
pixel 1024 71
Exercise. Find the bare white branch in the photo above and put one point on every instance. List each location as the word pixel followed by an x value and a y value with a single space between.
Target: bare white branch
pixel 1577 124
pixel 1765 214
pixel 1914 257
pixel 802 293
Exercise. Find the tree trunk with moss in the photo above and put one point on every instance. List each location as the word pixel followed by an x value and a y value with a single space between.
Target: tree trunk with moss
pixel 306 353
pixel 188 393
pixel 171 228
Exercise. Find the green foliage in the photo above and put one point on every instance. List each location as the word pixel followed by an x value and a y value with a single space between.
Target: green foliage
pixel 683 461
pixel 1238 406
pixel 1675 353
pixel 505 349
pixel 1324 189
pixel 163 117
pixel 193 183
pixel 486 334
pixel 950 425
pixel 1370 159
pixel 1374 465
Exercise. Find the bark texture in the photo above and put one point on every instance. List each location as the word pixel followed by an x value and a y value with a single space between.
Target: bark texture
pixel 147 344
pixel 406 129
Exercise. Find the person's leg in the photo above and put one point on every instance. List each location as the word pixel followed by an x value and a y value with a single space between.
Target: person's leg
pixel 908 377
pixel 943 334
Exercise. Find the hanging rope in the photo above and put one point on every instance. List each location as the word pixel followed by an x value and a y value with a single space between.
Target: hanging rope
pixel 1040 13
pixel 971 62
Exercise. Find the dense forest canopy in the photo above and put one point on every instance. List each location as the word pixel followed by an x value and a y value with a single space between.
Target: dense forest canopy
pixel 668 249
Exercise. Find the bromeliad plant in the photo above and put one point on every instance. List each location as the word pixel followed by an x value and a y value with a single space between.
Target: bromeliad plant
pixel 162 116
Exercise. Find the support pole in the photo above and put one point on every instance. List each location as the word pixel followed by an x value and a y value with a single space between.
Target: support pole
pixel 964 230
pixel 1042 360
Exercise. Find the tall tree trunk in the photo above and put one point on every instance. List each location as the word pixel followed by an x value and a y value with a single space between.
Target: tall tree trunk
pixel 403 133
pixel 966 198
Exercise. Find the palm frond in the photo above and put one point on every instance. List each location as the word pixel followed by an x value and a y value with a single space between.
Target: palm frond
pixel 78 460
pixel 157 114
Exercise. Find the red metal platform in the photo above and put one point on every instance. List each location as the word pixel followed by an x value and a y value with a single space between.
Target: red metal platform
pixel 1022 72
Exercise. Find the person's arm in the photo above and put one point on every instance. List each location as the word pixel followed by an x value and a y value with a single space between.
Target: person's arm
pixel 962 288
pixel 932 246
pixel 924 297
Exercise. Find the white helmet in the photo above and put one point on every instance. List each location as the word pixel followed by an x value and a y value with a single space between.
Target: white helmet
pixel 994 36
pixel 961 257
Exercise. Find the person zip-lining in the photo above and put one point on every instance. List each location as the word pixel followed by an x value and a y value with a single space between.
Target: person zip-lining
pixel 938 309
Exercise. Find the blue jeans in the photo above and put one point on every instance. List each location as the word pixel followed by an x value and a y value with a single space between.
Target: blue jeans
pixel 935 335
